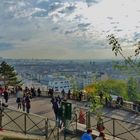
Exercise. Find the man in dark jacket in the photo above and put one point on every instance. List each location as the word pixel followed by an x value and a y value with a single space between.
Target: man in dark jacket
pixel 6 95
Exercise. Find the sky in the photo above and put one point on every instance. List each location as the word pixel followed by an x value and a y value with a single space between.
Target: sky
pixel 67 29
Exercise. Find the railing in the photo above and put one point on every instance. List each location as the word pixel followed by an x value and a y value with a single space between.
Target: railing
pixel 19 121
pixel 27 123
pixel 116 128
pixel 22 122
pixel 130 106
pixel 127 105
pixel 52 130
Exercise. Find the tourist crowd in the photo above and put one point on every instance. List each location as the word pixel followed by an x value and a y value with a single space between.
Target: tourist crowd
pixel 23 96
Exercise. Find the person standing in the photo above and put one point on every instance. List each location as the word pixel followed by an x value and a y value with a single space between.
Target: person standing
pixel 101 136
pixel 63 93
pixel 39 92
pixel 87 135
pixel 59 115
pixel 24 102
pixel 28 103
pixel 69 94
pixel 6 96
pixel 55 108
pixel 100 124
pixel 1 90
pixel 19 97
pixel 80 96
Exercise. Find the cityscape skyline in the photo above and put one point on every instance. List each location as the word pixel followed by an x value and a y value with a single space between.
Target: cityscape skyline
pixel 67 29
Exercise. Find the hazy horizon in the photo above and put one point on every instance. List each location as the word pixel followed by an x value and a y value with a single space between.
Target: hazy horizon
pixel 62 59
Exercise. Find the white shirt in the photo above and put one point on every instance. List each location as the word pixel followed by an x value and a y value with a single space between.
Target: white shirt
pixel 19 94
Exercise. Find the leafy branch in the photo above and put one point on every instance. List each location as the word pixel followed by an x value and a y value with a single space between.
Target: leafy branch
pixel 117 49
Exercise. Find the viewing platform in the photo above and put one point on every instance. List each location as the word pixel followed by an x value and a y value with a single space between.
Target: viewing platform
pixel 118 122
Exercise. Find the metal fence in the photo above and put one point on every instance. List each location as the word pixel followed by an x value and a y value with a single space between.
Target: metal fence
pixel 27 123
pixel 116 128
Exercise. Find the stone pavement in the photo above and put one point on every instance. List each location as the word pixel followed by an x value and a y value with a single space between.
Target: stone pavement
pixel 5 133
pixel 40 106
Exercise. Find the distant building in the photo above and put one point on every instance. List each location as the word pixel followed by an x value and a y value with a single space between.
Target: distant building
pixel 58 84
pixel 101 76
pixel 83 80
pixel 89 78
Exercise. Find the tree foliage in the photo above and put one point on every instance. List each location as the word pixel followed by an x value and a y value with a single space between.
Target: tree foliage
pixel 131 63
pixel 111 86
pixel 132 88
pixel 106 87
pixel 96 105
pixel 8 75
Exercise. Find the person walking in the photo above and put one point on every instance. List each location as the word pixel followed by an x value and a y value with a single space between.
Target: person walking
pixel 87 135
pixel 28 103
pixel 55 108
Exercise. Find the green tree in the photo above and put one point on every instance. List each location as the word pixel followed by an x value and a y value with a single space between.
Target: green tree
pixel 8 75
pixel 112 86
pixel 106 87
pixel 96 106
pixel 131 63
pixel 132 87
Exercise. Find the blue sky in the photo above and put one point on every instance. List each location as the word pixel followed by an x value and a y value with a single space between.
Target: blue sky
pixel 67 29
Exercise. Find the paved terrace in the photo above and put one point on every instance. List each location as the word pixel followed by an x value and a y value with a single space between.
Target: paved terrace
pixel 42 106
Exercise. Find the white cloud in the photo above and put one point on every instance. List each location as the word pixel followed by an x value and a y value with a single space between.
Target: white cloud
pixel 81 25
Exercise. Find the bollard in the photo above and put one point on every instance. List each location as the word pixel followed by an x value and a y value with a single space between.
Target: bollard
pixel 46 129
pixel 1 115
pixel 88 124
